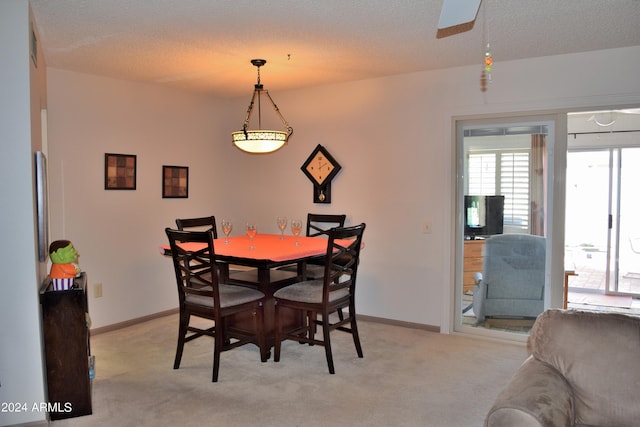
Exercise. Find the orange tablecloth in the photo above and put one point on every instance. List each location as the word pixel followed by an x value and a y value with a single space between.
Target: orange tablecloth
pixel 267 247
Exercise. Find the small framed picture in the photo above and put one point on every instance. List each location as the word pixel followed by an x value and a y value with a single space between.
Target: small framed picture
pixel 119 171
pixel 175 182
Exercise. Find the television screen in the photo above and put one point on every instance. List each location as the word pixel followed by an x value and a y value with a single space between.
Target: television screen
pixel 483 216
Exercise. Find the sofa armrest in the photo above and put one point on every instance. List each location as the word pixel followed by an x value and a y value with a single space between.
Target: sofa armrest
pixel 537 395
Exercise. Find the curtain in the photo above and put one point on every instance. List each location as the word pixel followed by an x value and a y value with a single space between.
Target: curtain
pixel 538 184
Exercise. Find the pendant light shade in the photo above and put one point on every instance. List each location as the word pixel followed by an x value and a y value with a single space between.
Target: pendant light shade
pixel 260 141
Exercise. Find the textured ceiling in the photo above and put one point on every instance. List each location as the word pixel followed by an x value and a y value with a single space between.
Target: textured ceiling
pixel 206 46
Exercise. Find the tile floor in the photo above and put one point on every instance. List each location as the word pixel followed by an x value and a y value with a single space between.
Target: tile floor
pixel 590 269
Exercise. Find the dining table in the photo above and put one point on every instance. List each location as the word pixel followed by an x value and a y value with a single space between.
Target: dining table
pixel 255 264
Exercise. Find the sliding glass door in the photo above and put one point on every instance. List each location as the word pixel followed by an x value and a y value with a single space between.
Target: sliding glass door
pixel 588 219
pixel 602 231
pixel 628 234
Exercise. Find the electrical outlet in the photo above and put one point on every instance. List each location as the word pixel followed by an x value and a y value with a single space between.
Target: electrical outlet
pixel 426 227
pixel 97 290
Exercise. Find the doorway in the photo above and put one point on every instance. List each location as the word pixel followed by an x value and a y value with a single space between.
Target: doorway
pixel 602 233
pixel 504 168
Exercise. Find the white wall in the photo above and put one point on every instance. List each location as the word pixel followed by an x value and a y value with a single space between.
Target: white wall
pixel 118 232
pixel 21 98
pixel 391 135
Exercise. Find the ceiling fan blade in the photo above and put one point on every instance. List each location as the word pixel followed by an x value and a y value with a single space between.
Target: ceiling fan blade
pixel 458 12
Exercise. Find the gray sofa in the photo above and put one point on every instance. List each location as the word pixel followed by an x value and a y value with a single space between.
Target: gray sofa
pixel 583 370
pixel 512 280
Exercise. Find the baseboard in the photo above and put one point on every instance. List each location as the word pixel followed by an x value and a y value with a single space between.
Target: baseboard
pixel 404 324
pixel 366 318
pixel 42 423
pixel 132 322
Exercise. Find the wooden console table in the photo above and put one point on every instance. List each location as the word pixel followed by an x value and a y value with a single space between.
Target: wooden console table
pixel 472 263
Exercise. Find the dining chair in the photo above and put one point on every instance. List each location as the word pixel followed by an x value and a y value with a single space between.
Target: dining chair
pixel 318 225
pixel 198 224
pixel 215 301
pixel 333 293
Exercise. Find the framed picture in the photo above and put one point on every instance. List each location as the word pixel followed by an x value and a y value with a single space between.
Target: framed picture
pixel 119 171
pixel 175 182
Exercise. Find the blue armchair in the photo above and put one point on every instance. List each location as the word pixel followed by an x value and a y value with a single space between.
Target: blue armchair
pixel 511 284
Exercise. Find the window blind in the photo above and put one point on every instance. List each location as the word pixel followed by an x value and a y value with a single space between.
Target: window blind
pixel 503 172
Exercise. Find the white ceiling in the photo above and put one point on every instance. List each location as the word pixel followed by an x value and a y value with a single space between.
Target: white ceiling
pixel 206 45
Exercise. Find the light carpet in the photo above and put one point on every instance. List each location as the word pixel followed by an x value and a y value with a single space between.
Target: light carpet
pixel 408 377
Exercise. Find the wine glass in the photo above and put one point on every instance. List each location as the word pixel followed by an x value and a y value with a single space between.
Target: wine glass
pixel 282 225
pixel 296 228
pixel 227 226
pixel 251 233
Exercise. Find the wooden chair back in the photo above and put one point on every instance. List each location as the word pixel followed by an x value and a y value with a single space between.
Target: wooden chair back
pixel 202 224
pixel 193 269
pixel 341 261
pixel 318 224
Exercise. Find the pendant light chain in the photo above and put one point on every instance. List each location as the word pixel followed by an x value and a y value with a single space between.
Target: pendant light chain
pixel 259 90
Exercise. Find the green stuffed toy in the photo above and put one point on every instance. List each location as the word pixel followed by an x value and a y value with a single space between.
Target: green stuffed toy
pixel 64 259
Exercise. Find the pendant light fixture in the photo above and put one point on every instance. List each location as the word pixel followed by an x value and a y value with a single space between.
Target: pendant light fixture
pixel 260 140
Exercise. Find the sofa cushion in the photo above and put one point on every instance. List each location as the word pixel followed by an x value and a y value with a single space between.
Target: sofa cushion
pixel 599 355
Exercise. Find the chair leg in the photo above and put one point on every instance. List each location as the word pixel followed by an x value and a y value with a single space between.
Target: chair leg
pixel 327 342
pixel 183 324
pixel 277 335
pixel 218 343
pixel 354 332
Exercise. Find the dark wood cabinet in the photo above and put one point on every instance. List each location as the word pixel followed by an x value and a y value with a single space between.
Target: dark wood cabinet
pixel 67 350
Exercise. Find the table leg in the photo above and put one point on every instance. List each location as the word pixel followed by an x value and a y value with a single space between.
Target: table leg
pixel 264 285
pixel 302 270
pixel 223 272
